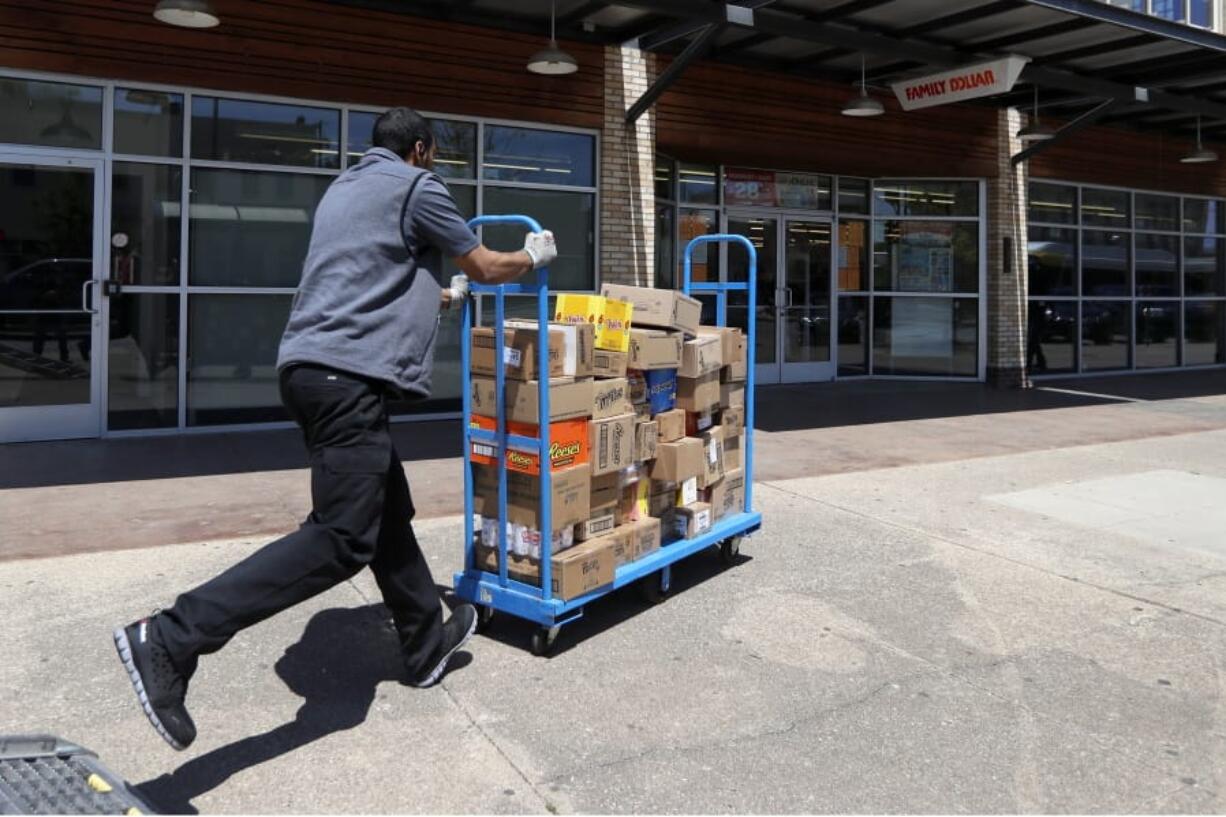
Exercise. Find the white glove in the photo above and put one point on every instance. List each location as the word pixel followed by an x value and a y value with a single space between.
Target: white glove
pixel 458 291
pixel 541 248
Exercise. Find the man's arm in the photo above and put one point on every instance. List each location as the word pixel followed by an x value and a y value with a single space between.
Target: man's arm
pixel 486 266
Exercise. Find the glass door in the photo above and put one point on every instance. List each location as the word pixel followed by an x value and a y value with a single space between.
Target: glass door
pixel 50 326
pixel 763 230
pixel 805 314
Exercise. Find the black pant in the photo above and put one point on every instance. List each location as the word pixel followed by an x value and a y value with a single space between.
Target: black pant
pixel 361 516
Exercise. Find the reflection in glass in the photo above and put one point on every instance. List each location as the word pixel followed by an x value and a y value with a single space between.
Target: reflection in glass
pixel 751 187
pixel 145 205
pixel 1051 337
pixel 1052 261
pixel 696 184
pixel 457 144
pixel 1157 334
pixel 1105 208
pixel 250 227
pixel 571 216
pixel 853 256
pixel 1204 266
pixel 665 177
pixel 239 130
pixel 1105 258
pixel 232 358
pixel 853 196
pixel 52 114
pixel 543 157
pixel 1106 330
pixel 1202 215
pixel 926 256
pixel 705 260
pixel 853 335
pixel 925 198
pixel 1204 329
pixel 806 323
pixel 666 247
pixel 1052 203
pixel 1157 265
pixel 1156 212
pixel 143 361
pixel 148 123
pixel 44 358
pixel 926 336
pixel 762 233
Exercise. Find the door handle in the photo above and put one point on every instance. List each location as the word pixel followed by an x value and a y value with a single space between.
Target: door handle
pixel 85 299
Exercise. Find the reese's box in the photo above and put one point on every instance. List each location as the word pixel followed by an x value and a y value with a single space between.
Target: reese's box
pixel 578 344
pixel 609 364
pixel 610 398
pixel 570 489
pixel 611 444
pixel 672 425
pixel 646 437
pixel 568 445
pixel 691 520
pixel 652 349
pixel 678 461
pixel 662 308
pixel 568 399
pixel 698 394
pixel 519 352
pixel 701 356
pixel 727 496
pixel 712 457
pixel 734 450
pixel 610 317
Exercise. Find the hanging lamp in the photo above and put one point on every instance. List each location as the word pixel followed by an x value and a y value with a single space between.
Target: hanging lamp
pixel 862 104
pixel 552 60
pixel 186 13
pixel 1036 131
pixel 1202 154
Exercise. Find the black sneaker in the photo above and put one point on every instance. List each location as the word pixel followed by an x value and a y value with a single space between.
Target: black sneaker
pixel 159 686
pixel 456 632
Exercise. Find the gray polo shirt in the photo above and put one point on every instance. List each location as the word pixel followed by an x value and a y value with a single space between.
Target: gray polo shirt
pixel 368 303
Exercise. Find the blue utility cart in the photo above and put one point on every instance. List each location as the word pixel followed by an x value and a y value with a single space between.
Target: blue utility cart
pixel 491 592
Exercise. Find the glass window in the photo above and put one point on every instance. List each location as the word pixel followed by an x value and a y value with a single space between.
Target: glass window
pixel 1204 331
pixel 1105 208
pixel 1200 13
pixel 926 336
pixel 853 256
pixel 251 228
pixel 237 130
pixel 456 157
pixel 748 187
pixel 1157 212
pixel 696 184
pixel 148 123
pixel 1157 261
pixel 853 195
pixel 1051 337
pixel 665 177
pixel 539 156
pixel 853 335
pixel 1204 266
pixel 1168 9
pixel 1051 261
pixel 143 361
pixel 232 358
pixel 763 234
pixel 1105 261
pixel 1157 334
pixel 921 198
pixel 1106 330
pixel 1202 215
pixel 54 114
pixel 145 205
pixel 704 264
pixel 1052 203
pixel 666 246
pixel 926 256
pixel 571 216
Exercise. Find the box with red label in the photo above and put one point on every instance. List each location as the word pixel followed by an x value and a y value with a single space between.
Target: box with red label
pixel 696 423
pixel 568 445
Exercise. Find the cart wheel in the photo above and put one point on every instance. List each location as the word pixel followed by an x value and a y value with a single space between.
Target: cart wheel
pixel 485 615
pixel 730 549
pixel 653 588
pixel 542 640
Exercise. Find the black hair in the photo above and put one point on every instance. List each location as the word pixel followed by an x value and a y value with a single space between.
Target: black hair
pixel 399 130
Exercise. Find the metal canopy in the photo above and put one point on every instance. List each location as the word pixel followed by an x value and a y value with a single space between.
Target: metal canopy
pixel 1157 74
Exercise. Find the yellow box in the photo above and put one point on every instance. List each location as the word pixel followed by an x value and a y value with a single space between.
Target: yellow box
pixel 611 318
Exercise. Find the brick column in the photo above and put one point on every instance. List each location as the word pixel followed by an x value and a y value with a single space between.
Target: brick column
pixel 627 171
pixel 1006 308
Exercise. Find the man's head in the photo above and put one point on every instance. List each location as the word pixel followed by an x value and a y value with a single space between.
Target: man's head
pixel 406 133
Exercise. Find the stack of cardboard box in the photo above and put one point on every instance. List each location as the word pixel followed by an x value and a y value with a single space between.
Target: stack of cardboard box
pixel 646 428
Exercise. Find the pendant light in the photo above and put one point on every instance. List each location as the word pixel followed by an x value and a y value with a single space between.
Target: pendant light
pixel 1202 154
pixel 551 59
pixel 186 13
pixel 1035 131
pixel 862 104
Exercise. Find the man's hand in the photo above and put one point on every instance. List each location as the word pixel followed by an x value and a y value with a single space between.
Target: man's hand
pixel 541 248
pixel 456 293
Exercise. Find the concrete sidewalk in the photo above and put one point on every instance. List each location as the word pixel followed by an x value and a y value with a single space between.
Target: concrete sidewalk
pixel 1018 632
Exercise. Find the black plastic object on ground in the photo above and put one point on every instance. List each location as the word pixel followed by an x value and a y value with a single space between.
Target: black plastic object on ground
pixel 42 774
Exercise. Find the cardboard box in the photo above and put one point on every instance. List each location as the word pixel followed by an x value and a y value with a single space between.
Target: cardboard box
pixel 678 461
pixel 628 505
pixel 642 411
pixel 691 520
pixel 661 495
pixel 734 373
pixel 568 399
pixel 519 352
pixel 606 489
pixel 732 395
pixel 646 438
pixel 596 526
pixel 701 356
pixel 583 568
pixel 695 424
pixel 713 456
pixel 611 318
pixel 661 390
pixel 671 425
pixel 728 495
pixel 734 450
pixel 733 421
pixel 652 349
pixel 609 364
pixel 661 308
pixel 610 398
pixel 570 489
pixel 638 386
pixel 645 535
pixel 568 445
pixel 732 341
pixel 579 344
pixel 611 444
pixel 521 569
pixel 622 540
pixel 687 492
pixel 698 394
